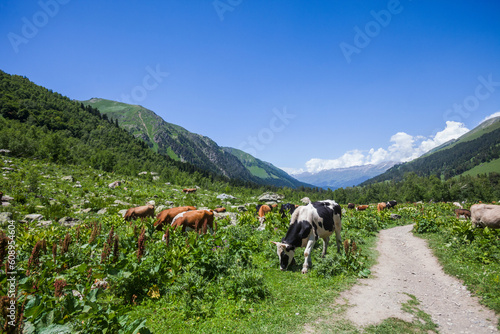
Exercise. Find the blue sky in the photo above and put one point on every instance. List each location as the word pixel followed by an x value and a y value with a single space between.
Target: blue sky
pixel 305 85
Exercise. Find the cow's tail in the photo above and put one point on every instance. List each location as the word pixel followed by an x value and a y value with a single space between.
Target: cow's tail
pixel 295 215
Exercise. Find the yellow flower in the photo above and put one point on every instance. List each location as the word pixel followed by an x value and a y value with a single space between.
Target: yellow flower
pixel 154 292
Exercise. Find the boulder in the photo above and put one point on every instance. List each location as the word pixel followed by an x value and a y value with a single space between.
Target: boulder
pixel 225 196
pixel 68 221
pixel 68 178
pixel 122 212
pixel 6 198
pixel 271 197
pixel 5 217
pixel 33 217
pixel 115 184
pixel 44 223
pixel 102 211
pixel 122 203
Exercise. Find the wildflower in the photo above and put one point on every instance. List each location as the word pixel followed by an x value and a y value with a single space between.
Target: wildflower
pixel 95 232
pixel 154 292
pixel 4 242
pixel 54 251
pixel 105 253
pixel 141 244
pixel 66 243
pixel 59 285
pixel 116 251
pixel 35 254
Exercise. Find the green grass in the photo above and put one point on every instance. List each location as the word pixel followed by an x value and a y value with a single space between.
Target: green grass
pixel 484 168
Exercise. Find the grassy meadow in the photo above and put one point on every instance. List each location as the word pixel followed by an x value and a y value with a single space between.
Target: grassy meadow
pixel 96 273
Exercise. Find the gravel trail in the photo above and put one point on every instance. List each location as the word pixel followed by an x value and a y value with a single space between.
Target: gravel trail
pixel 405 266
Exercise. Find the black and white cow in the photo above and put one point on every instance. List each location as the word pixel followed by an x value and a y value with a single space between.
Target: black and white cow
pixel 391 204
pixel 308 223
pixel 288 207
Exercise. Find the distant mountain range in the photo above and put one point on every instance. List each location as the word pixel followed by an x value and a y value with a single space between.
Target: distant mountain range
pixel 477 151
pixel 344 177
pixel 182 145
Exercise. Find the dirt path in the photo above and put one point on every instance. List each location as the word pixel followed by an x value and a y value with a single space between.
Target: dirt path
pixel 405 266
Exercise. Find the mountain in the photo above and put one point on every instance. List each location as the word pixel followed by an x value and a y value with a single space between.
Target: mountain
pixel 476 148
pixel 265 170
pixel 182 145
pixel 343 177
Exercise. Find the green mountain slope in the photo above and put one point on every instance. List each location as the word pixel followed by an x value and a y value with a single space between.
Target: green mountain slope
pixel 478 146
pixel 180 144
pixel 264 170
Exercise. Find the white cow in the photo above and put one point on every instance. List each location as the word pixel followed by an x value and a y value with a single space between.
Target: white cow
pixel 485 215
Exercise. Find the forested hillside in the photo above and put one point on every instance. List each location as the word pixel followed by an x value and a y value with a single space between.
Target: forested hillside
pixel 38 123
pixel 450 162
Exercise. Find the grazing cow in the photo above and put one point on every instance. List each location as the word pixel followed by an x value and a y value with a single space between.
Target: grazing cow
pixel 287 207
pixel 198 220
pixel 140 212
pixel 381 206
pixel 166 216
pixel 391 204
pixel 462 212
pixel 485 215
pixel 263 210
pixel 361 207
pixel 351 206
pixel 189 190
pixel 219 210
pixel 308 223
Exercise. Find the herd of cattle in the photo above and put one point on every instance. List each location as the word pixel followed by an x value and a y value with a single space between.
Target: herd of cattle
pixel 308 222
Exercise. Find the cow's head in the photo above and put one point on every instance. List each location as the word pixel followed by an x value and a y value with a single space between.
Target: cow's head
pixel 285 254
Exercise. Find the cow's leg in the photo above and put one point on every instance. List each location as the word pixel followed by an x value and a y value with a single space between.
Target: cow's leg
pixel 338 227
pixel 307 255
pixel 325 246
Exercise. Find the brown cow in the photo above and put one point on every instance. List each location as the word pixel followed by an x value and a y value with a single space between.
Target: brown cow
pixel 361 207
pixel 166 216
pixel 189 190
pixel 219 210
pixel 198 220
pixel 351 205
pixel 381 206
pixel 462 212
pixel 140 212
pixel 263 210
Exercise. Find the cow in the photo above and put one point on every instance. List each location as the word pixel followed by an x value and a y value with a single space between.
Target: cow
pixel 391 204
pixel 263 210
pixel 198 220
pixel 351 205
pixel 189 190
pixel 288 207
pixel 462 212
pixel 485 215
pixel 140 212
pixel 361 207
pixel 308 223
pixel 458 204
pixel 381 206
pixel 166 216
pixel 219 210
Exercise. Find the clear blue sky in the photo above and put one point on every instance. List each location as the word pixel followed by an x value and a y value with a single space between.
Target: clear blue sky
pixel 343 76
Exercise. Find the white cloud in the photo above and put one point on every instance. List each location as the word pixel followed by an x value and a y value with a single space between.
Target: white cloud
pixel 497 114
pixel 404 148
